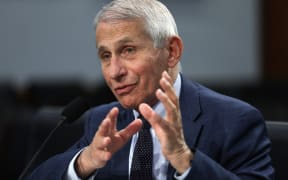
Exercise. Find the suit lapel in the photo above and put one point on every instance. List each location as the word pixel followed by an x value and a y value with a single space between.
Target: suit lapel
pixel 190 111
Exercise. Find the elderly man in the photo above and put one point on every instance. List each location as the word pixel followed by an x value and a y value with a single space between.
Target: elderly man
pixel 163 126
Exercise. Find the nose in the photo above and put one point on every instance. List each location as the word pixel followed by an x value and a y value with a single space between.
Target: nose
pixel 117 68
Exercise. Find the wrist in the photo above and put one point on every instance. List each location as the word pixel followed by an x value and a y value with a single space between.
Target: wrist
pixel 182 161
pixel 81 165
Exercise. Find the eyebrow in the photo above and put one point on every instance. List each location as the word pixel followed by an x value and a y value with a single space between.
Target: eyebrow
pixel 120 42
pixel 125 40
pixel 102 48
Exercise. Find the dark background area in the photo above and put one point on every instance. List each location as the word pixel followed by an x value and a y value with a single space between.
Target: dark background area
pixel 28 114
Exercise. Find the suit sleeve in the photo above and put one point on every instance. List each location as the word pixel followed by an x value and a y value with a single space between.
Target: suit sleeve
pixel 244 155
pixel 56 167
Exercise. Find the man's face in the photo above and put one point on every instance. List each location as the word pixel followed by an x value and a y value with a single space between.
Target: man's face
pixel 131 65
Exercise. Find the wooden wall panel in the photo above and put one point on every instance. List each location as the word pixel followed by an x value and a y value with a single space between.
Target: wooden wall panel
pixel 275 40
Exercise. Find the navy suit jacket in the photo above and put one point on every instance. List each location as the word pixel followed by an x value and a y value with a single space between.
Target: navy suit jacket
pixel 228 137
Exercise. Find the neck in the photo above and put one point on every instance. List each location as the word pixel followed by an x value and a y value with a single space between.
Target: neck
pixel 173 72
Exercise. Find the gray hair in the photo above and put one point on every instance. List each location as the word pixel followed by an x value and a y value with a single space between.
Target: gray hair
pixel 158 21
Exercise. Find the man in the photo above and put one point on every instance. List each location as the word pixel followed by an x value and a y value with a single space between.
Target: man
pixel 196 133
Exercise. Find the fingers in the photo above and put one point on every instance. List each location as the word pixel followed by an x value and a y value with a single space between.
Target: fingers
pixel 152 117
pixel 108 138
pixel 108 127
pixel 171 110
pixel 109 123
pixel 168 97
pixel 166 84
pixel 131 129
pixel 102 138
pixel 98 150
pixel 147 112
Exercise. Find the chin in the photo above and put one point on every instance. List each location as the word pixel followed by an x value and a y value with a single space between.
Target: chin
pixel 128 104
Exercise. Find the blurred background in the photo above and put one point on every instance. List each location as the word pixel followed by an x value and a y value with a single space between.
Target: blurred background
pixel 48 57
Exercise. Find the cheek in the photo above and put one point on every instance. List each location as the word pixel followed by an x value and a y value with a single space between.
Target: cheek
pixel 106 77
pixel 152 72
pixel 151 79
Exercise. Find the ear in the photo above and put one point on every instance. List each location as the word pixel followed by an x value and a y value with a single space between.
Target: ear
pixel 175 48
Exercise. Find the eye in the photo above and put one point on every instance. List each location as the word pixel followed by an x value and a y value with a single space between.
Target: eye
pixel 105 56
pixel 128 51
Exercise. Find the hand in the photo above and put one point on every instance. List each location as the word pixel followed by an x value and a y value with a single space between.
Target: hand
pixel 105 143
pixel 169 130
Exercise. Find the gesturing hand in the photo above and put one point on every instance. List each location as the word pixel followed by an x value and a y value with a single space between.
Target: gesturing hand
pixel 169 130
pixel 106 142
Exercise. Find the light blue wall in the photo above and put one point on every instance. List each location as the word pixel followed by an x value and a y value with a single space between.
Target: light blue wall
pixel 54 39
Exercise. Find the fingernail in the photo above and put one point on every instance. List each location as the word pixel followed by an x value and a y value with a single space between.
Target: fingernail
pixel 160 92
pixel 165 73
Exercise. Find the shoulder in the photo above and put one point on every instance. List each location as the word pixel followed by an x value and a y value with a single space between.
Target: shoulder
pixel 219 108
pixel 102 110
pixel 212 100
pixel 98 113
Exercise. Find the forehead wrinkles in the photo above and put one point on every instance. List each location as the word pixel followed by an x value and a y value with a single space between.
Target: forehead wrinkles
pixel 115 29
pixel 117 43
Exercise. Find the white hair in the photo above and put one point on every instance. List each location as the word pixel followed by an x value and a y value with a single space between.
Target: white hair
pixel 158 21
